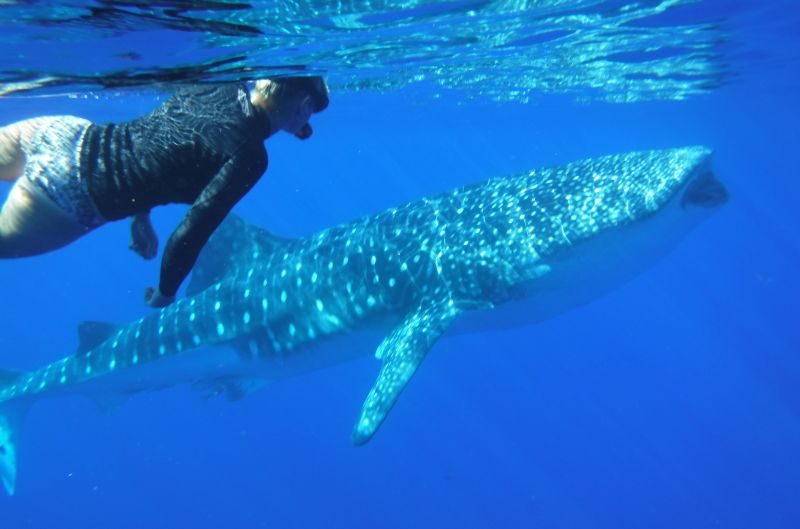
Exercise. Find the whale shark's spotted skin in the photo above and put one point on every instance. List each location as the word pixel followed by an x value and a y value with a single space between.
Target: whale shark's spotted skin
pixel 411 270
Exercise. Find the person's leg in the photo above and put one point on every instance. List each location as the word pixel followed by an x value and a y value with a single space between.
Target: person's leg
pixel 32 224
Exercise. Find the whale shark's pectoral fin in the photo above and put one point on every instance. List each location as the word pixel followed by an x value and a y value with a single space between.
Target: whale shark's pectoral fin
pixel 402 352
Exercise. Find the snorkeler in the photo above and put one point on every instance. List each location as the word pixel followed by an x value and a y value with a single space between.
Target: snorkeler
pixel 203 147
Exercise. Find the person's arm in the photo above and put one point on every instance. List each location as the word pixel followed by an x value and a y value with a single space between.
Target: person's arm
pixel 228 186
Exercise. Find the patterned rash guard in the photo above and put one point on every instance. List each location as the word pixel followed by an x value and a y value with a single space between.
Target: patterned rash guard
pixel 204 147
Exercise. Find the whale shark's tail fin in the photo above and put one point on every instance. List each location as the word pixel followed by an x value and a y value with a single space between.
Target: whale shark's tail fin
pixel 12 412
pixel 233 248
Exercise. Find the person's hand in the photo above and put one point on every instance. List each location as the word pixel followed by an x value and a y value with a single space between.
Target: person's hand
pixel 144 240
pixel 154 298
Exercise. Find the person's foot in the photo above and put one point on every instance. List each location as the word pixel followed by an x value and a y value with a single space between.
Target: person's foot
pixel 154 298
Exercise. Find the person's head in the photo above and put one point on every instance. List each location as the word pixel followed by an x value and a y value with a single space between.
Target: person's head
pixel 290 101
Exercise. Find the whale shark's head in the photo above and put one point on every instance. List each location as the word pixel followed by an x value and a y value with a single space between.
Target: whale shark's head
pixel 656 195
pixel 567 205
pixel 669 194
pixel 611 218
pixel 679 178
pixel 578 231
pixel 578 219
pixel 615 191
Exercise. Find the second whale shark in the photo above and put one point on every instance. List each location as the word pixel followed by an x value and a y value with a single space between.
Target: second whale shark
pixel 506 252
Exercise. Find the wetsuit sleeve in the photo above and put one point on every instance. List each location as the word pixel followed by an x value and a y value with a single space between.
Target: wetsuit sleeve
pixel 228 186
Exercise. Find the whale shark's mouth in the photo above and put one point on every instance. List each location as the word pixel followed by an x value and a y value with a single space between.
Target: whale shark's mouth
pixel 704 191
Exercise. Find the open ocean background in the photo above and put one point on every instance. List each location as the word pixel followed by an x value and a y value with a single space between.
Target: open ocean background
pixel 672 403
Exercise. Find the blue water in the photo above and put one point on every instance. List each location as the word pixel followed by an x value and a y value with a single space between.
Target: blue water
pixel 672 402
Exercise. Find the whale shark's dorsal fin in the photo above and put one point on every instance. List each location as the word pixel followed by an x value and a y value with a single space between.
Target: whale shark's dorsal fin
pixel 93 333
pixel 233 247
pixel 401 353
pixel 9 376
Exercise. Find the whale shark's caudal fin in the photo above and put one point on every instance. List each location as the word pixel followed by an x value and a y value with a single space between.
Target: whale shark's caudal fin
pixel 11 416
pixel 233 247
pixel 401 353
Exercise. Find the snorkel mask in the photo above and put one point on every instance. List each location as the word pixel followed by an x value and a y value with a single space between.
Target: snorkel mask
pixel 311 94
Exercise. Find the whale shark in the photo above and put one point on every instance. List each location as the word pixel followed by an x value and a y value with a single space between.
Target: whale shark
pixel 506 252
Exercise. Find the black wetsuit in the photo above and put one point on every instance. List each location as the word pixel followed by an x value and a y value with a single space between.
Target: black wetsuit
pixel 204 147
